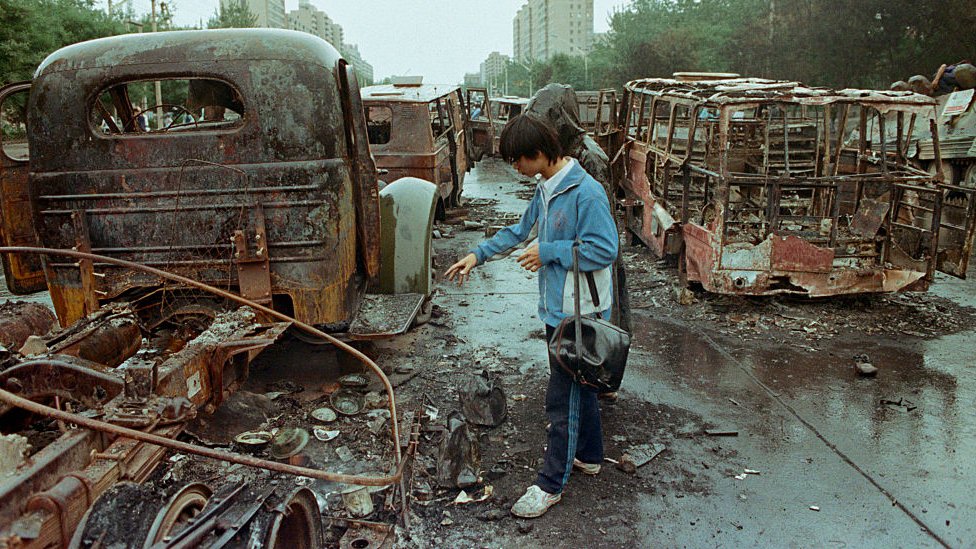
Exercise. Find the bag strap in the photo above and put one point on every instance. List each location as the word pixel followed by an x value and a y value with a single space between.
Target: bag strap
pixel 576 304
pixel 591 282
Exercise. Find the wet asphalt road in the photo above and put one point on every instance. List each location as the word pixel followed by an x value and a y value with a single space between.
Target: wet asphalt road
pixel 881 475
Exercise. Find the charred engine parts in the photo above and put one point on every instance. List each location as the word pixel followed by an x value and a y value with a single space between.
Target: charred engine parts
pixel 459 462
pixel 482 400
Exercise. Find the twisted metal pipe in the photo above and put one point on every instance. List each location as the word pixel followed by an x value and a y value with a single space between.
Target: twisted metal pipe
pixel 363 480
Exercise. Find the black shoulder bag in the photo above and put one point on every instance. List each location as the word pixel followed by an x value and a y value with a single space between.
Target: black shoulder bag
pixel 591 350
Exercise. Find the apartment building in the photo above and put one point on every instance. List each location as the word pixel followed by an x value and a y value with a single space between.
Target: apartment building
pixel 308 18
pixel 543 28
pixel 269 13
pixel 493 68
pixel 364 71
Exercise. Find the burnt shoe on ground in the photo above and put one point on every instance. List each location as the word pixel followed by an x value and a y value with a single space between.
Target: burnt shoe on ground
pixel 592 469
pixel 534 502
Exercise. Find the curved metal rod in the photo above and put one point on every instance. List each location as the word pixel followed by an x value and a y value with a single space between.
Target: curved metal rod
pixel 202 450
pixel 231 457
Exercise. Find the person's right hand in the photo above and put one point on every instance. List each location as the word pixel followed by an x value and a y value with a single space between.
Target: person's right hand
pixel 462 269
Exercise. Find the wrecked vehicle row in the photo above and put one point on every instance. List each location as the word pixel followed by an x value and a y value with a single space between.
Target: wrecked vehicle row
pixel 758 189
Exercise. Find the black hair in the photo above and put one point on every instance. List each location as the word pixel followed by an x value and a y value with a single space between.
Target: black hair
pixel 527 135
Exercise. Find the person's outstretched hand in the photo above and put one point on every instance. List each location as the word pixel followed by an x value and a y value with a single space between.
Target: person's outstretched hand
pixel 529 260
pixel 461 270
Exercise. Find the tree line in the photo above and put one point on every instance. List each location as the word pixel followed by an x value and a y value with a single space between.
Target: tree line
pixel 32 29
pixel 834 43
pixel 837 43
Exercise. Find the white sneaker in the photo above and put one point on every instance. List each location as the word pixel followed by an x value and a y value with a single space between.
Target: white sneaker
pixel 586 468
pixel 534 502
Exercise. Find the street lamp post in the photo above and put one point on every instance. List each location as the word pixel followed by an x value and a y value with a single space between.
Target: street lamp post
pixel 584 54
pixel 529 70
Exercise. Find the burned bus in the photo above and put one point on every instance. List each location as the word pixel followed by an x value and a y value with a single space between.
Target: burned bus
pixel 193 195
pixel 742 181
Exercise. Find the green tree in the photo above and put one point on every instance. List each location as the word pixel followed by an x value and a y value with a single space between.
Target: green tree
pixel 862 43
pixel 31 29
pixel 233 15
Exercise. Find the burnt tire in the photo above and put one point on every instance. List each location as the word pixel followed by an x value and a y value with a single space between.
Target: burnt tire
pixel 290 522
pixel 120 517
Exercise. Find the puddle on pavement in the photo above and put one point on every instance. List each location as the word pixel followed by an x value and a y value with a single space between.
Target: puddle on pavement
pixel 492 179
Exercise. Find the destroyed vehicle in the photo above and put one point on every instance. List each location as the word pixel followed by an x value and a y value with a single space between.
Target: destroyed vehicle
pixel 176 250
pixel 740 179
pixel 256 178
pixel 418 130
pixel 957 140
pixel 502 110
pixel 481 137
pixel 597 112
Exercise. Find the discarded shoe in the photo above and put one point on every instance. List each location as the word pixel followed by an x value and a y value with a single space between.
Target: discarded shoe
pixel 586 468
pixel 863 366
pixel 534 502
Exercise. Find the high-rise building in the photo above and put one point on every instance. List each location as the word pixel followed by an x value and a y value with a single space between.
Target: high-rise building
pixel 269 13
pixel 493 68
pixel 308 18
pixel 543 28
pixel 364 71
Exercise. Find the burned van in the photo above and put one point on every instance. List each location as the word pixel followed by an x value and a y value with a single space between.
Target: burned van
pixel 418 130
pixel 193 195
pixel 741 179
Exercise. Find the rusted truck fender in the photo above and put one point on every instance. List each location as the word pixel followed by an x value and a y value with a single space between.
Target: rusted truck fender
pixel 406 220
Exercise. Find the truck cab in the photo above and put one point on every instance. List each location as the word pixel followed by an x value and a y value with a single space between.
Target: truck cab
pixel 246 167
pixel 418 130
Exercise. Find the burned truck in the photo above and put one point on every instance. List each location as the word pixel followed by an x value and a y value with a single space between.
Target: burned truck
pixel 186 198
pixel 741 180
pixel 418 130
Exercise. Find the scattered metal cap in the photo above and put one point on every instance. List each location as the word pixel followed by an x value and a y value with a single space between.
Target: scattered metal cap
pixel 324 414
pixel 253 441
pixel 348 402
pixel 288 442
pixel 354 381
pixel 323 434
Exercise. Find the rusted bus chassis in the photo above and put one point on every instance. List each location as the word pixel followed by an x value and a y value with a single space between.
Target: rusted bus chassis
pixel 420 131
pixel 176 248
pixel 742 180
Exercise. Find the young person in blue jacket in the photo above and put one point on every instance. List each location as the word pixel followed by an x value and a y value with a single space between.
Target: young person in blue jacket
pixel 569 208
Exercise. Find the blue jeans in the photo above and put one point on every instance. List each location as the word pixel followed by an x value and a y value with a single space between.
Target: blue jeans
pixel 575 430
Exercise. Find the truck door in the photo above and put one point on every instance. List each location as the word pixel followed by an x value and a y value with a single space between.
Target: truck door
pixel 482 133
pixel 449 131
pixel 24 273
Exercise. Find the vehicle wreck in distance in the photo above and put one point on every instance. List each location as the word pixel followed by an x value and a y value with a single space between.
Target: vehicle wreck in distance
pixel 742 179
pixel 418 130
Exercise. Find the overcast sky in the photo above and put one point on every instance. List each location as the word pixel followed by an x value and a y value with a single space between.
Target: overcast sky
pixel 440 39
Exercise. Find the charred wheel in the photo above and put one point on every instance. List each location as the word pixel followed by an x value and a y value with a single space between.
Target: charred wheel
pixel 178 512
pixel 295 523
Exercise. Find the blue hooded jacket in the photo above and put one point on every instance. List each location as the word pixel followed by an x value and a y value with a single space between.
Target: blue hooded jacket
pixel 577 211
